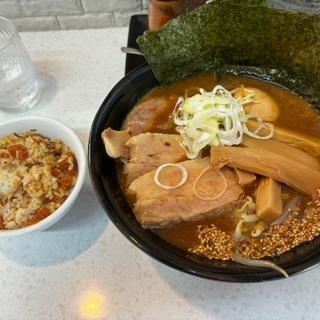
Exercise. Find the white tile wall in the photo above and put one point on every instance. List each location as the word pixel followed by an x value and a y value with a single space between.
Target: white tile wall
pixel 79 14
pixel 70 14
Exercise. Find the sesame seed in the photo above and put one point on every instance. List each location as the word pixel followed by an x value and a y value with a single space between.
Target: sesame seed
pixel 299 227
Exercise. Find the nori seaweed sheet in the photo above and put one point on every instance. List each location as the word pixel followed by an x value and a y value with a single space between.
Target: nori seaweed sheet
pixel 278 44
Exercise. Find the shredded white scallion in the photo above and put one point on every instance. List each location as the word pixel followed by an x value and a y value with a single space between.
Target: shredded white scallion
pixel 255 134
pixel 183 180
pixel 214 118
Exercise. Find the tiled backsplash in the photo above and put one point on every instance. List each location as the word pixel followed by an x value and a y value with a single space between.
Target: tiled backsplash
pixel 70 14
pixel 82 14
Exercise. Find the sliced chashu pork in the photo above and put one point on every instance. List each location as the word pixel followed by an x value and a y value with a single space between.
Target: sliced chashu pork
pixel 245 179
pixel 156 207
pixel 114 141
pixel 144 152
pixel 145 116
pixel 266 163
pixel 147 151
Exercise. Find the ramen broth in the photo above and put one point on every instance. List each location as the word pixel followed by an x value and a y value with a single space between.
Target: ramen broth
pixel 294 113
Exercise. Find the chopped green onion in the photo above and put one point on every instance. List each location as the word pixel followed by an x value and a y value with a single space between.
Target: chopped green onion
pixel 214 118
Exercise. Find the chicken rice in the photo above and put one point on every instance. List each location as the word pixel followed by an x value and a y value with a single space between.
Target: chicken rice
pixel 37 174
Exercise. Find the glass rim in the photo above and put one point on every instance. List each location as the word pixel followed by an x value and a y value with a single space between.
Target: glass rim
pixel 11 29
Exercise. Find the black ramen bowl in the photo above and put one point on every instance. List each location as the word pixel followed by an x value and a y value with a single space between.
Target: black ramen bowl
pixel 112 112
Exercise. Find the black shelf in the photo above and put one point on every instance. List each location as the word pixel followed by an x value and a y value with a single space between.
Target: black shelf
pixel 138 24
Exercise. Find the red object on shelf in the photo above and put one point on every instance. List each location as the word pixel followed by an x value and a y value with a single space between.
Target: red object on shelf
pixel 161 11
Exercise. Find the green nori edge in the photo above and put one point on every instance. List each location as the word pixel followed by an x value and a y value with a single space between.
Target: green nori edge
pixel 275 76
pixel 279 45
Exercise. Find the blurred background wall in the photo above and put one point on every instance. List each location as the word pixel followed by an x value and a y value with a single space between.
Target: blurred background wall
pixel 81 14
pixel 70 14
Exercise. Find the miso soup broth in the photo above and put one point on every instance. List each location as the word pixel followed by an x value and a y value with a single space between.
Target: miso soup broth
pixel 164 168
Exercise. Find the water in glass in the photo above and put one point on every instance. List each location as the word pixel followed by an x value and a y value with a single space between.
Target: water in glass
pixel 19 86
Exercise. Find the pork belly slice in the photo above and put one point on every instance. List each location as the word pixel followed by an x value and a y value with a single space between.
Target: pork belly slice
pixel 266 163
pixel 147 151
pixel 114 141
pixel 246 179
pixel 156 207
pixel 144 152
pixel 283 149
pixel 145 116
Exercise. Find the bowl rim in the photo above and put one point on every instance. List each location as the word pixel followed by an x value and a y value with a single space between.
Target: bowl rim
pixel 65 206
pixel 168 258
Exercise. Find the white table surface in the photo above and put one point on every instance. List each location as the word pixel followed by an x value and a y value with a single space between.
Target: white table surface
pixel 82 267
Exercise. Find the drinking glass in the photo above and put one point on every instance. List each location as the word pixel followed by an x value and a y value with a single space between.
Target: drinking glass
pixel 19 85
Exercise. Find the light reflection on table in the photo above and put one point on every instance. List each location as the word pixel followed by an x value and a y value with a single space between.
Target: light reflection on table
pixel 92 304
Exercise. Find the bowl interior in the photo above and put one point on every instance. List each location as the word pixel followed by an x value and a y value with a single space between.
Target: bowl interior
pixel 103 174
pixel 54 130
